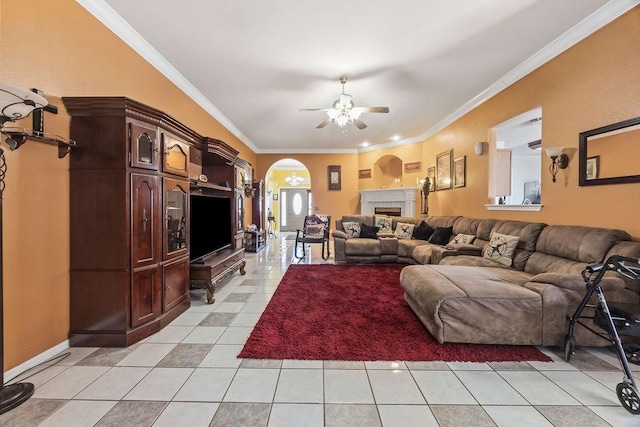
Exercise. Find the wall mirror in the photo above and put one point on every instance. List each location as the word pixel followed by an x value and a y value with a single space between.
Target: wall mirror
pixel 608 155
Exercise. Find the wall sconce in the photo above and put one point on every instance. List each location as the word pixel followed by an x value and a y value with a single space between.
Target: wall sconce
pixel 558 160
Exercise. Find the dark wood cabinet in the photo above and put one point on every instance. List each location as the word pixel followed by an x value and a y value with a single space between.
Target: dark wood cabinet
pixel 145 296
pixel 145 220
pixel 144 145
pixel 129 196
pixel 175 276
pixel 176 212
pixel 257 204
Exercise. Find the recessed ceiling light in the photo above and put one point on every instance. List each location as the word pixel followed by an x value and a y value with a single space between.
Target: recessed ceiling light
pixel 365 144
pixel 395 137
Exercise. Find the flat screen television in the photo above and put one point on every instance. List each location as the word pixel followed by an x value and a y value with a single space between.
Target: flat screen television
pixel 210 225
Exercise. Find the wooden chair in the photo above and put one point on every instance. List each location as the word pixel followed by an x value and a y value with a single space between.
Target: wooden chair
pixel 315 230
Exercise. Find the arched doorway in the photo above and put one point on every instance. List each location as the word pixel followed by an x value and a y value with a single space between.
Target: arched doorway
pixel 288 195
pixel 387 172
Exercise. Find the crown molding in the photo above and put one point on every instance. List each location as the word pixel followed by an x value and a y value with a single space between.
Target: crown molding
pixel 308 151
pixel 105 14
pixel 391 144
pixel 583 29
pixel 598 19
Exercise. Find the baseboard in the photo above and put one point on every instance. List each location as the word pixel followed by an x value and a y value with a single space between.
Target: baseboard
pixel 35 361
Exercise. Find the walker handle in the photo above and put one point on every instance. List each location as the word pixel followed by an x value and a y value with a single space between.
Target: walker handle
pixel 594 268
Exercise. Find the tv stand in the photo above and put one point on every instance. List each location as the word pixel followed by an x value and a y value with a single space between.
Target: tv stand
pixel 215 269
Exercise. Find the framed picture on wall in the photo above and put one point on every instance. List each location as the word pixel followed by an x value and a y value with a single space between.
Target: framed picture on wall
pixel 431 174
pixel 443 170
pixel 334 176
pixel 460 172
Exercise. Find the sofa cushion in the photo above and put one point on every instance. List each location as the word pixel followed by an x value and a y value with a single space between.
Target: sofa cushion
pixel 384 224
pixel 471 261
pixel 407 246
pixel 441 235
pixel 464 225
pixel 501 248
pixel 422 231
pixel 368 231
pixel 351 229
pixel 362 247
pixel 442 221
pixel 404 230
pixel 584 244
pixel 463 238
pixel 422 254
pixel 569 248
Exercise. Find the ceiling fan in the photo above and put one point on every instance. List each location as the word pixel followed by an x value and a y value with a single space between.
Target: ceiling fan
pixel 344 111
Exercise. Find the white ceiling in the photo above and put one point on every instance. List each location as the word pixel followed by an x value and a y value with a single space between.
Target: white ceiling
pixel 253 64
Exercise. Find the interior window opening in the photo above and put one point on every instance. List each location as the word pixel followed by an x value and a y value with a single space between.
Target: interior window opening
pixel 515 150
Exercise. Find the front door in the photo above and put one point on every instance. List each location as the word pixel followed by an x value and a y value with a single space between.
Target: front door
pixel 295 202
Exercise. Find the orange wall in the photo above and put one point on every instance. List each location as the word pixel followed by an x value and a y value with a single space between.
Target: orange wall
pixel 61 49
pixel 593 84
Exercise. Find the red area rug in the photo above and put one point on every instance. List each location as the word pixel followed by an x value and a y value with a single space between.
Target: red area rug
pixel 356 312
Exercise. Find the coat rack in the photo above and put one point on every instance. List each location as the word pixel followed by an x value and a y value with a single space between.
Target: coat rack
pixel 15 104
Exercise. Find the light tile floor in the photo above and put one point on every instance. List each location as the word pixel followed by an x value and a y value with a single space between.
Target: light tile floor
pixel 188 375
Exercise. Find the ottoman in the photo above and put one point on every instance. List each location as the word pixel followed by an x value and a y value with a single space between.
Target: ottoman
pixel 474 304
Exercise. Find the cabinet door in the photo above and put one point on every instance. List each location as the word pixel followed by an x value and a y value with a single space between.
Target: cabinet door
pixel 145 296
pixel 145 219
pixel 175 155
pixel 176 213
pixel 175 279
pixel 143 140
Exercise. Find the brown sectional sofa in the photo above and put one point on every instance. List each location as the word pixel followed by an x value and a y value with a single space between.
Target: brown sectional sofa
pixel 462 297
pixel 386 248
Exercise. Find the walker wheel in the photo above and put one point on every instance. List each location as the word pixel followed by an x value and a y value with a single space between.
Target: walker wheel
pixel 632 351
pixel 628 396
pixel 569 346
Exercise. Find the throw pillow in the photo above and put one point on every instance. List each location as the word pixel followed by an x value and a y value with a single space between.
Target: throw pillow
pixel 423 231
pixel 351 229
pixel 404 230
pixel 441 235
pixel 501 248
pixel 368 231
pixel 315 231
pixel 463 238
pixel 384 224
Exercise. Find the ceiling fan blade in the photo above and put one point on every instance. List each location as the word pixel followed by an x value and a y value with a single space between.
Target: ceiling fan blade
pixel 315 109
pixel 323 124
pixel 374 109
pixel 359 124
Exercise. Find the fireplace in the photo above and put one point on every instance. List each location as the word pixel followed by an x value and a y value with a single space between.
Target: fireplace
pixel 388 211
pixel 403 198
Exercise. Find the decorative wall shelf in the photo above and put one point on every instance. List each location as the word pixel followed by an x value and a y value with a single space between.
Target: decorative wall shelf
pixel 19 136
pixel 522 208
pixel 200 184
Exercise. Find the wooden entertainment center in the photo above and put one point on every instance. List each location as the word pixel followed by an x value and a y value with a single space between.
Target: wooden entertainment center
pixel 130 183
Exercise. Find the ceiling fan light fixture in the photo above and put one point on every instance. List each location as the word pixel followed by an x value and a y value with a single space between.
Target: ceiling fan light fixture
pixel 344 111
pixel 345 101
pixel 342 120
pixel 354 114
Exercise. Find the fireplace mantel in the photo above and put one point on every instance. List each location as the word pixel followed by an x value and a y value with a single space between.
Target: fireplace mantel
pixel 404 198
